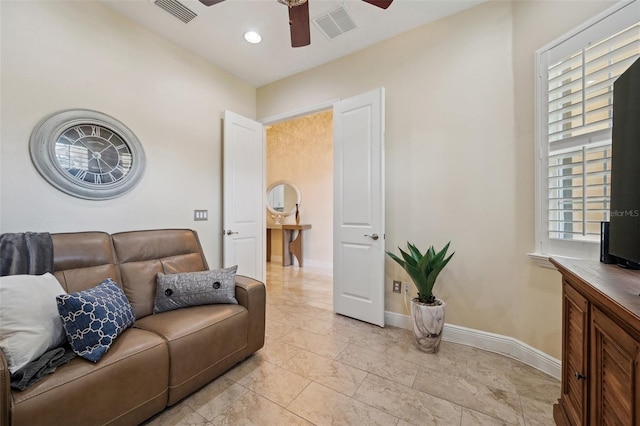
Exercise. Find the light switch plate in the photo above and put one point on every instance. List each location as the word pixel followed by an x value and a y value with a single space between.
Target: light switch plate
pixel 201 215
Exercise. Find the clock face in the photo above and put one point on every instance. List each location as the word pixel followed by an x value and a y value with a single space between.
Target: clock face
pixel 87 154
pixel 93 154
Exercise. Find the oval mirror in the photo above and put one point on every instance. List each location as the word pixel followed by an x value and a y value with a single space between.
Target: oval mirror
pixel 282 198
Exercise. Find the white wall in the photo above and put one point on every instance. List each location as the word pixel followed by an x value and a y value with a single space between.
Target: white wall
pixel 460 155
pixel 61 55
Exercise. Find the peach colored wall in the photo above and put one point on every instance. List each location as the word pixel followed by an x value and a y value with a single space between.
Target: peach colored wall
pixel 301 151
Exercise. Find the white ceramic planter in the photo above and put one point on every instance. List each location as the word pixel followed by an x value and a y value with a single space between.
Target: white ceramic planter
pixel 428 322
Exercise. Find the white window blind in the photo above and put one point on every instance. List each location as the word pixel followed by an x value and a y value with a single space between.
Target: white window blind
pixel 577 98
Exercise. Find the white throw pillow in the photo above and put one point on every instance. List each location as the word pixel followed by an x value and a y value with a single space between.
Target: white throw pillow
pixel 29 321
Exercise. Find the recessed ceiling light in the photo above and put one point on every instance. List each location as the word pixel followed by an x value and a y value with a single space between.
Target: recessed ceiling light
pixel 252 37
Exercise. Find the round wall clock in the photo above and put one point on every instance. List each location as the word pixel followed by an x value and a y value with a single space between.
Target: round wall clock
pixel 87 154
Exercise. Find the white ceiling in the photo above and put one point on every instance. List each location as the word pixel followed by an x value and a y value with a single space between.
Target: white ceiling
pixel 216 34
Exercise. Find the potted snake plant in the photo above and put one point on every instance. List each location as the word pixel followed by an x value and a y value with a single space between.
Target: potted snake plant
pixel 427 311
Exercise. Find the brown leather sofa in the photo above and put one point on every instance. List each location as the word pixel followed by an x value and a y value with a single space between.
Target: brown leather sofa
pixel 159 361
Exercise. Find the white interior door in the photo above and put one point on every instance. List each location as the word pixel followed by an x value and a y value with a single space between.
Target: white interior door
pixel 358 221
pixel 243 217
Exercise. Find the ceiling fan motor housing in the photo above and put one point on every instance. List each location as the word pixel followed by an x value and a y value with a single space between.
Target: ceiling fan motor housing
pixel 292 3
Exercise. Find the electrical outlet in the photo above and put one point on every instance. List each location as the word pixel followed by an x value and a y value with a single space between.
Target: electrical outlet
pixel 406 288
pixel 396 286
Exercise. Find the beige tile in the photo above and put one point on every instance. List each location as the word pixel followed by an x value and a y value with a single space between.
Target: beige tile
pixel 477 396
pixel 380 364
pixel 410 353
pixel 277 329
pixel 399 335
pixel 277 352
pixel 252 409
pixel 275 314
pixel 330 316
pixel 495 373
pixel 534 384
pixel 537 413
pixel 268 380
pixel 313 359
pixel 245 368
pixel 325 304
pixel 178 415
pixel 323 406
pixel 286 304
pixel 353 328
pixel 406 403
pixel 473 418
pixel 328 346
pixel 330 373
pixel 315 325
pixel 362 334
pixel 216 397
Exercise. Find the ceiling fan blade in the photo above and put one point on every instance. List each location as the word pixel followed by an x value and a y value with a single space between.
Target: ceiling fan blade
pixel 210 2
pixel 299 23
pixel 380 3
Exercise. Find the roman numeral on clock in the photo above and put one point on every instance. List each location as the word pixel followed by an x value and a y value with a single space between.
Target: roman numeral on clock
pixel 81 174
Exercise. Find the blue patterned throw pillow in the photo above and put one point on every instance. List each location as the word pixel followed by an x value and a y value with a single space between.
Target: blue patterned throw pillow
pixel 93 318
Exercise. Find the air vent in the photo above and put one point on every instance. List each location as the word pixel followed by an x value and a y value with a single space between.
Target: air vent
pixel 176 9
pixel 335 22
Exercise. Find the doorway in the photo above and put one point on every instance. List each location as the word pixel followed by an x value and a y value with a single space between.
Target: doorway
pixel 357 202
pixel 299 151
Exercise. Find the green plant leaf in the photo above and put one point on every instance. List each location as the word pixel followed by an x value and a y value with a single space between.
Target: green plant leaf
pixel 423 268
pixel 415 253
pixel 408 258
pixel 441 254
pixel 396 258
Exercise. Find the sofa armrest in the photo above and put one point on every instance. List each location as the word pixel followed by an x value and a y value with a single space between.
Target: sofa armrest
pixel 252 295
pixel 5 392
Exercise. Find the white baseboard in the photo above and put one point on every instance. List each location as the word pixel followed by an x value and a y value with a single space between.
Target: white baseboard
pixel 490 342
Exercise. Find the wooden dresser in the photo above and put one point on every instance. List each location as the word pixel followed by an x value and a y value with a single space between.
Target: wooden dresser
pixel 600 344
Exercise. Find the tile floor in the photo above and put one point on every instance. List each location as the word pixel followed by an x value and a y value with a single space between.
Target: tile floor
pixel 318 368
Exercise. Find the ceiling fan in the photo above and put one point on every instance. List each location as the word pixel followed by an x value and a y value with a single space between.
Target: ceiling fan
pixel 299 18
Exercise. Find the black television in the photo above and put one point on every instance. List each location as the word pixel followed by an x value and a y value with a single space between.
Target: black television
pixel 624 217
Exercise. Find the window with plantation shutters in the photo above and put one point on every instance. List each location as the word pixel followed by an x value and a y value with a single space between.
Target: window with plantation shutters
pixel 574 121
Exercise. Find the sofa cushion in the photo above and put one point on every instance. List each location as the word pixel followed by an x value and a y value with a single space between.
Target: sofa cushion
pixel 94 318
pixel 175 291
pixel 29 320
pixel 127 386
pixel 83 260
pixel 142 254
pixel 204 341
pixel 139 284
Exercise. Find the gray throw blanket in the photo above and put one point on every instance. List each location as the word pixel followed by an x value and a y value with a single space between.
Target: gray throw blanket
pixel 38 369
pixel 31 253
pixel 26 253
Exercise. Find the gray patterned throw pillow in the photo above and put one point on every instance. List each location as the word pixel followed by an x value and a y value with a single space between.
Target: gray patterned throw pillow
pixel 176 291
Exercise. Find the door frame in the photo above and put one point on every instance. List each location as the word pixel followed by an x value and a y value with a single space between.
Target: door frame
pixel 301 112
pixel 279 118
